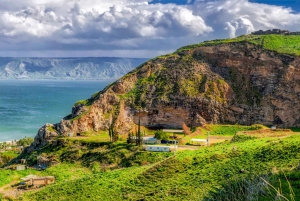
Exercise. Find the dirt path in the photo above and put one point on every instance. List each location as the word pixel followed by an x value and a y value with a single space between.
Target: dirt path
pixel 8 192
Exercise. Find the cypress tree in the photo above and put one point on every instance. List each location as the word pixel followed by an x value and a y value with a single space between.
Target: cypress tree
pixel 139 135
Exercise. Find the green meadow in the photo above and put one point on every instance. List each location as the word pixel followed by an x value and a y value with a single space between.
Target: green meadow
pixel 237 169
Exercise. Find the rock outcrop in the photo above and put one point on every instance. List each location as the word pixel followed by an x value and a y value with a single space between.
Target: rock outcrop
pixel 236 82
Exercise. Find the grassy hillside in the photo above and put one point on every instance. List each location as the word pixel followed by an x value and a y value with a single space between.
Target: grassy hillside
pixel 286 44
pixel 190 175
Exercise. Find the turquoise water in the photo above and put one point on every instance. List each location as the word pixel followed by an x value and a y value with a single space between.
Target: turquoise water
pixel 26 105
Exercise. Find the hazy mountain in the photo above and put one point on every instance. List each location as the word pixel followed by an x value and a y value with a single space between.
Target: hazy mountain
pixel 101 68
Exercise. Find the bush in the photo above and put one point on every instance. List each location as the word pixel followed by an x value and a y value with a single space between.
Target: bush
pixel 25 141
pixel 160 135
pixel 241 138
pixel 81 102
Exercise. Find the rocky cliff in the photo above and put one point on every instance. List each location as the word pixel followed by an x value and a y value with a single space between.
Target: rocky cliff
pixel 100 68
pixel 237 81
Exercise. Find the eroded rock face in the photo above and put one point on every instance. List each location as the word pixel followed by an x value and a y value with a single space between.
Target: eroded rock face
pixel 45 136
pixel 227 83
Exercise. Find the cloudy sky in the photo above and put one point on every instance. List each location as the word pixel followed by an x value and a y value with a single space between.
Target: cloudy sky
pixel 132 28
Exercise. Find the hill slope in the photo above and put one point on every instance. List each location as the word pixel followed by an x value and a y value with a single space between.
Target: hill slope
pixel 246 80
pixel 192 175
pixel 101 68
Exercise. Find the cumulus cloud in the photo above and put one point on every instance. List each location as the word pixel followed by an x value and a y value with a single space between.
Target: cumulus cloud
pixel 238 17
pixel 112 28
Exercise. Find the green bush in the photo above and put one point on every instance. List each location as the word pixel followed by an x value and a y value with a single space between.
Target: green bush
pixel 161 135
pixel 25 141
pixel 81 102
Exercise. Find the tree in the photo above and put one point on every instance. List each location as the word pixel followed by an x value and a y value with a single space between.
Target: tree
pixel 129 139
pixel 160 135
pixel 25 141
pixel 186 129
pixel 113 135
pixel 110 133
pixel 139 138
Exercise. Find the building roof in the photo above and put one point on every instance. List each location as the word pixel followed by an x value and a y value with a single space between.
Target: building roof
pixel 199 140
pixel 173 130
pixel 31 176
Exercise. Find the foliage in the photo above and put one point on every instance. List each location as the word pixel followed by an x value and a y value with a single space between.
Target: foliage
pixel 161 135
pixel 81 102
pixel 139 139
pixel 259 187
pixel 62 172
pixel 241 138
pixel 7 156
pixel 286 44
pixel 25 141
pixel 218 129
pixel 190 175
pixel 239 190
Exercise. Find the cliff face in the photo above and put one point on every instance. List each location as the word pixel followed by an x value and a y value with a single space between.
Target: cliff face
pixel 225 83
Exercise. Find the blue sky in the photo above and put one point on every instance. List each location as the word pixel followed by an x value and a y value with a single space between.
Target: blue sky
pixel 132 28
pixel 295 4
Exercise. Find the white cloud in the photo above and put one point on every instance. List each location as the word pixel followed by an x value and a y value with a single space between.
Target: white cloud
pixel 242 17
pixel 133 26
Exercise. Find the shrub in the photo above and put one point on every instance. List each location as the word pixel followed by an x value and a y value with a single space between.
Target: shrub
pixel 81 102
pixel 25 141
pixel 160 135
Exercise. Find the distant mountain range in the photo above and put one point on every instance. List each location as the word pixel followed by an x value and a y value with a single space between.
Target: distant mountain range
pixel 92 68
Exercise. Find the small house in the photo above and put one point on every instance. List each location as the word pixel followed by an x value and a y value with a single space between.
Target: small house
pixel 20 167
pixel 43 181
pixel 158 148
pixel 199 141
pixel 173 131
pixel 169 141
pixel 35 181
pixel 150 140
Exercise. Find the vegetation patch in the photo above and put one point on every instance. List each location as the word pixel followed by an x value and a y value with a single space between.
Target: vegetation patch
pixel 285 44
pixel 218 129
pixel 190 175
pixel 81 102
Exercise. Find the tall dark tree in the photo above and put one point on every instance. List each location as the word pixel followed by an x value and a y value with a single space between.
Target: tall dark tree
pixel 139 134
pixel 111 131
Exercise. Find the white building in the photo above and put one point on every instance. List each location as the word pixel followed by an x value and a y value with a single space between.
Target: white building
pixel 199 141
pixel 158 148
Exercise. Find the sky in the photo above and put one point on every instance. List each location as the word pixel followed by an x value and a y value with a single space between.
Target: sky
pixel 132 28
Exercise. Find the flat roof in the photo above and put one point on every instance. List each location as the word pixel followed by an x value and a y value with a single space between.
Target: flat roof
pixel 199 140
pixel 160 146
pixel 173 130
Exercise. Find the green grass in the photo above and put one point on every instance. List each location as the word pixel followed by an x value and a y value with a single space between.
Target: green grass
pixel 91 137
pixel 105 186
pixel 7 156
pixel 62 173
pixel 81 102
pixel 229 130
pixel 12 154
pixel 286 44
pixel 191 175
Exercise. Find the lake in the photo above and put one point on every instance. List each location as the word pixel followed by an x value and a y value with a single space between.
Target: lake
pixel 26 105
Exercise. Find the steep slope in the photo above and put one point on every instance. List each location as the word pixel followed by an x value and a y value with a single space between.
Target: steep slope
pixel 101 68
pixel 243 80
